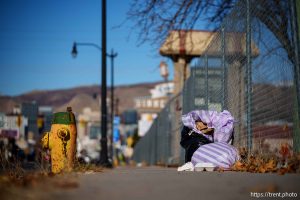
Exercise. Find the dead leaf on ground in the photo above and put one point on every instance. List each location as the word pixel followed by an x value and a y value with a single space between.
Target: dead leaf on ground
pixel 284 162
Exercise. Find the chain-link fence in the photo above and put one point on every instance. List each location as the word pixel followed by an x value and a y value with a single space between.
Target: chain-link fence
pixel 255 52
pixel 251 68
pixel 160 144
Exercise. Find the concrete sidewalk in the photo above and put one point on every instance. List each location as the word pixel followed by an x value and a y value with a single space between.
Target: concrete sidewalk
pixel 150 183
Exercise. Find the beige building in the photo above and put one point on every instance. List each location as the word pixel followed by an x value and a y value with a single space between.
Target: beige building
pixel 88 132
pixel 149 106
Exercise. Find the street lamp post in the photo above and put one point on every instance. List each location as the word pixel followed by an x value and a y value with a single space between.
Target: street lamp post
pixel 103 142
pixel 112 55
pixel 103 154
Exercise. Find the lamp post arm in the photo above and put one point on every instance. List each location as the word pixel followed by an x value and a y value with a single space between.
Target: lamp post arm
pixel 112 55
pixel 89 44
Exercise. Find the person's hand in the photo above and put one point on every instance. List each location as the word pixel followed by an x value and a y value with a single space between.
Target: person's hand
pixel 203 128
pixel 208 131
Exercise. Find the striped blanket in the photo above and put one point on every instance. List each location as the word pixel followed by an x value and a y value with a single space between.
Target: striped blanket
pixel 221 122
pixel 222 155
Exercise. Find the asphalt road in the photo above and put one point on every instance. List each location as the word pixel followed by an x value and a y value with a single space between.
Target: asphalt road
pixel 151 183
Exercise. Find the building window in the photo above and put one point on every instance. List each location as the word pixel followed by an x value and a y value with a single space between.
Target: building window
pixel 138 103
pixel 162 103
pixel 156 103
pixel 94 132
pixel 149 103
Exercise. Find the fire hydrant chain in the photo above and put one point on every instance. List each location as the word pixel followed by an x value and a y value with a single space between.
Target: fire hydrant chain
pixel 64 135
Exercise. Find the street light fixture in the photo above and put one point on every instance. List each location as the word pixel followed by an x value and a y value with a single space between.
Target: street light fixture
pixel 111 56
pixel 164 72
pixel 74 50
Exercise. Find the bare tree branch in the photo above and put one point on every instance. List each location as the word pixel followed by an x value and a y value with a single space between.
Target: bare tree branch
pixel 154 19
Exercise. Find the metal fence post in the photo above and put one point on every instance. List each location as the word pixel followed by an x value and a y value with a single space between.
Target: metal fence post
pixel 224 82
pixel 192 83
pixel 248 76
pixel 168 132
pixel 206 80
pixel 295 19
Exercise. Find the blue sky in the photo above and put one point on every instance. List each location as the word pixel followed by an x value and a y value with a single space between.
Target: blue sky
pixel 36 38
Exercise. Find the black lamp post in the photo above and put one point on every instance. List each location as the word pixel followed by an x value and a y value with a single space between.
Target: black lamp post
pixel 103 142
pixel 103 154
pixel 112 55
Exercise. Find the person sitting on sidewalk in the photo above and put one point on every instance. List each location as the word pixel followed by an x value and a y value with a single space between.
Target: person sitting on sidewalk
pixel 201 128
pixel 191 140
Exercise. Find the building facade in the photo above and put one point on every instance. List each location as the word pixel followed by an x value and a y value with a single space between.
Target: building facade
pixel 149 106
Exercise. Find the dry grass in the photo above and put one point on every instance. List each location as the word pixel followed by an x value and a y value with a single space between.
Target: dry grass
pixel 13 174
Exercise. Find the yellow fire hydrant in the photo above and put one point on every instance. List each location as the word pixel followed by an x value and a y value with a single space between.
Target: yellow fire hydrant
pixel 61 141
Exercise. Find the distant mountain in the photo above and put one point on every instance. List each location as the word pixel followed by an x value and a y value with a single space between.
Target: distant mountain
pixel 78 97
pixel 79 102
pixel 7 103
pixel 268 100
